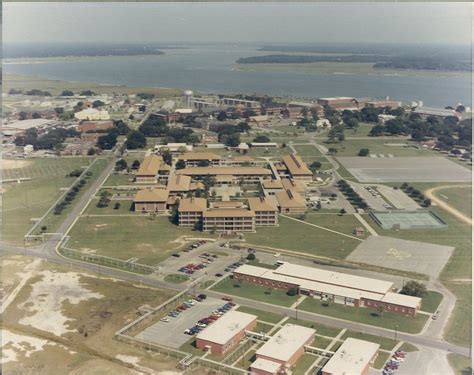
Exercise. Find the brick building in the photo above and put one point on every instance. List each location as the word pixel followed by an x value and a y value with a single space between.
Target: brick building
pixel 93 126
pixel 151 200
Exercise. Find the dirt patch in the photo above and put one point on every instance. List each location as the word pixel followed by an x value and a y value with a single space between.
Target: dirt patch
pixel 14 164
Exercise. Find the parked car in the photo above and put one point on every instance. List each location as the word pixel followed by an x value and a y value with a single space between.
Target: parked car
pixel 176 255
pixel 166 320
pixel 202 296
pixel 226 298
pixel 219 275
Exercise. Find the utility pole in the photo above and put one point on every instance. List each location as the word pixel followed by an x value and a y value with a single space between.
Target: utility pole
pixel 395 325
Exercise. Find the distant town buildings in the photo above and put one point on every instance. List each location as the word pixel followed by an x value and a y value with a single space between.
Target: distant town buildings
pixel 92 114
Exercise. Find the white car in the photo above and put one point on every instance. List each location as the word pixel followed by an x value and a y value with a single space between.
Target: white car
pixel 166 320
pixel 202 325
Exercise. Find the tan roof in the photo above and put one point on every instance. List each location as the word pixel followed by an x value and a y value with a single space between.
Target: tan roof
pixel 296 165
pixel 178 183
pixel 151 165
pixel 244 158
pixel 196 185
pixel 232 212
pixel 213 171
pixel 297 185
pixel 223 178
pixel 258 118
pixel 199 156
pixel 290 199
pixel 192 204
pixel 262 204
pixel 272 184
pixel 402 300
pixel 151 195
pixel 227 204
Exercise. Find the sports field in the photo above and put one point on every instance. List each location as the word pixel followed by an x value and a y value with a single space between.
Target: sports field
pixel 408 220
pixel 30 199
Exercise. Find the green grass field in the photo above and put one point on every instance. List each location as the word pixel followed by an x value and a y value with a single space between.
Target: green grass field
pixel 123 237
pixel 118 179
pixel 461 365
pixel 31 199
pixel 255 292
pixel 321 342
pixel 382 358
pixel 366 316
pixel 431 301
pixel 351 147
pixel 458 330
pixel 303 364
pixel 458 197
pixel 124 209
pixel 385 343
pixel 296 236
pixel 320 329
pixel 310 153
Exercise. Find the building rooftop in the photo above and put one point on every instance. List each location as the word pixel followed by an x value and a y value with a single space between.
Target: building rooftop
pixel 224 329
pixel 235 171
pixel 228 212
pixel 177 183
pixel 286 342
pixel 435 111
pixel 151 195
pixel 27 124
pixel 402 300
pixel 296 166
pixel 290 199
pixel 262 204
pixel 192 204
pixel 199 156
pixel 334 278
pixel 263 364
pixel 297 185
pixel 227 204
pixel 151 165
pixel 272 184
pixel 352 357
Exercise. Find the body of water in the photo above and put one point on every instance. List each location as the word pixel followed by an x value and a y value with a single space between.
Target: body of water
pixel 212 69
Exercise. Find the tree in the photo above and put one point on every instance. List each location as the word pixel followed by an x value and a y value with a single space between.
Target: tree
pixel 145 95
pixel 14 92
pixel 427 202
pixel 414 288
pixel 314 166
pixel 167 157
pixel 174 217
pixel 380 310
pixel 363 152
pixel 35 115
pixel 91 151
pixel 135 140
pixel 120 165
pixel 117 206
pixel 332 150
pixel 261 139
pixel 180 164
pixel 203 163
pixel 107 141
pixel 232 140
pixel 67 93
pixel 318 205
pixel 251 256
pixel 352 123
pixel 87 93
pixel 342 211
pixel 97 103
pixel 377 130
pixel 122 127
pixel 221 116
pixel 292 292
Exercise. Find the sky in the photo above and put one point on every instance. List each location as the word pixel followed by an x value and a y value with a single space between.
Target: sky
pixel 441 23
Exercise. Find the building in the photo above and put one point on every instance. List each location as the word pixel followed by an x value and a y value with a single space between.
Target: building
pixel 174 148
pixel 339 102
pixel 264 144
pixel 228 220
pixel 90 137
pixel 248 174
pixel 150 168
pixel 194 159
pixel 337 287
pixel 285 347
pixel 425 112
pixel 93 126
pixel 294 185
pixel 245 103
pixel 92 114
pixel 297 168
pixel 76 147
pixel 290 202
pixel 353 357
pixel 266 211
pixel 151 200
pixel 190 211
pixel 383 104
pixel 271 187
pixel 261 120
pixel 178 184
pixel 225 334
pixel 263 366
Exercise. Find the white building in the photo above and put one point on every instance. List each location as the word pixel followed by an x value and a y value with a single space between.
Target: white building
pixel 92 114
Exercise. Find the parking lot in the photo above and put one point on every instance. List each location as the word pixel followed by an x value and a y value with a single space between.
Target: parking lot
pixel 405 169
pixel 402 255
pixel 172 333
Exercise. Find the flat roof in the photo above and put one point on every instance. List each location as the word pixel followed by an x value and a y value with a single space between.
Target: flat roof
pixel 286 342
pixel 199 156
pixel 334 278
pixel 290 199
pixel 297 185
pixel 228 204
pixel 151 195
pixel 402 300
pixel 192 204
pixel 179 183
pixel 225 328
pixel 27 124
pixel 272 184
pixel 352 357
pixel 213 171
pixel 262 204
pixel 230 212
pixel 296 166
pixel 266 365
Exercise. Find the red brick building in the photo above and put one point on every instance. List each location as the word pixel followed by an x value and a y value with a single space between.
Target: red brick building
pixel 93 126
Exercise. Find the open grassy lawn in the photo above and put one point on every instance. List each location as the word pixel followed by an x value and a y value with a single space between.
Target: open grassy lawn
pixel 176 278
pixel 362 130
pixel 303 364
pixel 31 199
pixel 125 208
pixel 247 360
pixel 273 152
pixel 255 292
pixel 461 365
pixel 341 223
pixel 320 329
pixel 366 316
pixel 351 147
pixel 190 347
pixel 117 179
pixel 385 343
pixel 123 237
pixel 310 153
pixel 261 315
pixel 296 236
pixel 321 342
pixel 431 301
pixel 382 358
pixel 407 347
pixel 458 197
pixel 458 330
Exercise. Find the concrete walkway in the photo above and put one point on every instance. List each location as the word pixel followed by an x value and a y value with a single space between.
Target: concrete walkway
pixel 366 225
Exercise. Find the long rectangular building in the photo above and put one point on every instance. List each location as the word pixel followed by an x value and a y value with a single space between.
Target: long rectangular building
pixel 249 174
pixel 235 220
pixel 297 168
pixel 149 169
pixel 266 211
pixel 341 288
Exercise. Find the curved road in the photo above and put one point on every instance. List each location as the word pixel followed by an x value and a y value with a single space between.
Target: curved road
pixel 442 204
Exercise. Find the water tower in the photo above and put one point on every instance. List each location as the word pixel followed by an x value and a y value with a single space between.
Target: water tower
pixel 188 95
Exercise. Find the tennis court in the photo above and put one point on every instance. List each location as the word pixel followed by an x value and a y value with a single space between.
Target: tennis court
pixel 408 220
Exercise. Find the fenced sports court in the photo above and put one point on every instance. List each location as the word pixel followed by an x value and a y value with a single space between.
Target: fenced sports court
pixel 408 220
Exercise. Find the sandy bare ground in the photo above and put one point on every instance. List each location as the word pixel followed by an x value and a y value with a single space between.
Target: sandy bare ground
pixel 44 305
pixel 459 215
pixel 13 163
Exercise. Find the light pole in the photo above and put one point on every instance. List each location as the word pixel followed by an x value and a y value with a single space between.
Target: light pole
pixel 395 325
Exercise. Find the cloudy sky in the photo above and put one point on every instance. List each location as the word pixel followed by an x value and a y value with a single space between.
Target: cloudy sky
pixel 238 22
